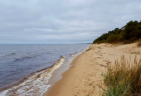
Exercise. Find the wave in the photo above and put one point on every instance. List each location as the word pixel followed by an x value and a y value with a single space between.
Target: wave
pixel 34 85
pixel 10 54
pixel 29 57
pixel 26 57
pixel 13 57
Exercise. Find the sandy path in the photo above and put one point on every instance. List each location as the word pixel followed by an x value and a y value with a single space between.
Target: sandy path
pixel 85 75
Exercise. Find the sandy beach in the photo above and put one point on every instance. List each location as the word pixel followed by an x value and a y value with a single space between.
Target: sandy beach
pixel 84 77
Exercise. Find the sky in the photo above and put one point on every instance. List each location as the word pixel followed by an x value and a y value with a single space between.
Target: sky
pixel 63 21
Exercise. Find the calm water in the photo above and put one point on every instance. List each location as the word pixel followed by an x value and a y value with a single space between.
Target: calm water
pixel 19 61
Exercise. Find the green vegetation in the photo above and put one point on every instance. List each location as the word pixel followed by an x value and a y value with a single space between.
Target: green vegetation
pixel 127 34
pixel 123 78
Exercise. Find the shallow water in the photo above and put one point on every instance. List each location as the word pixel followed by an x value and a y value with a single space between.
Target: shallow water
pixel 20 61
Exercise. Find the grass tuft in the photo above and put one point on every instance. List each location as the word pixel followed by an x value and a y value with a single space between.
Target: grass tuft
pixel 123 78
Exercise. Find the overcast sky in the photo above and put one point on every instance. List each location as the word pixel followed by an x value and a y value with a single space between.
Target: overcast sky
pixel 63 21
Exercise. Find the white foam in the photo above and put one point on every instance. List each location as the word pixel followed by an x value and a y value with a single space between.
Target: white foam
pixel 35 85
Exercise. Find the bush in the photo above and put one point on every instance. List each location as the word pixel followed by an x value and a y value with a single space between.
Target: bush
pixel 128 33
pixel 112 38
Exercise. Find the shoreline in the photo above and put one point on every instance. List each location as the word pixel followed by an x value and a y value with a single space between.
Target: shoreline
pixel 74 81
pixel 65 74
pixel 38 81
pixel 58 73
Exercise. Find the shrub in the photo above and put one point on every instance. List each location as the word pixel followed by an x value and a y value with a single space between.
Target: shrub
pixel 112 38
pixel 128 34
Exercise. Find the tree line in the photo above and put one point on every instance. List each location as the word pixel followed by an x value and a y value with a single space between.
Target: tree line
pixel 127 34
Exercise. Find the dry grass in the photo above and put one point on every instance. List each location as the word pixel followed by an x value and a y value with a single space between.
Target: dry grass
pixel 135 52
pixel 123 78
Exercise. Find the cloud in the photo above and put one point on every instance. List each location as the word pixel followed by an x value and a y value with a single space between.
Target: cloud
pixel 63 21
pixel 33 1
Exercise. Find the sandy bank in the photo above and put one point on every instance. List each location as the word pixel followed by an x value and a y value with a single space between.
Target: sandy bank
pixel 85 75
